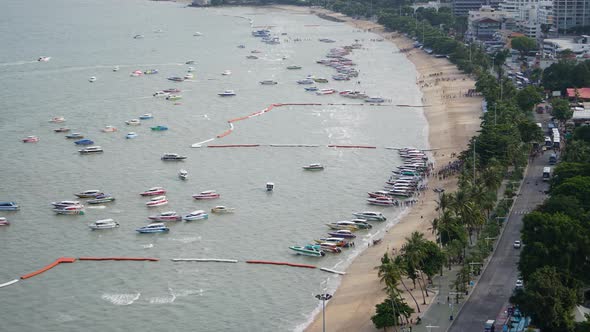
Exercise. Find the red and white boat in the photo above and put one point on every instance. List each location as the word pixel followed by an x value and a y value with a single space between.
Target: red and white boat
pixel 71 209
pixel 325 92
pixel 4 222
pixel 109 129
pixel 166 216
pixel 31 139
pixel 209 194
pixel 157 201
pixel 155 191
pixel 382 201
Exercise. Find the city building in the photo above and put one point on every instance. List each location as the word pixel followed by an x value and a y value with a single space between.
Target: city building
pixel 571 13
pixel 200 3
pixel 483 23
pixel 462 7
pixel 580 46
pixel 533 18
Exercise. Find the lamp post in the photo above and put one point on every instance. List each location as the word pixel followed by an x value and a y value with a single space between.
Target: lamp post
pixel 323 297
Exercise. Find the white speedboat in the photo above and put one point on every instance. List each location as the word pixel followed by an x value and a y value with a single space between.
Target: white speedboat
pixel 91 149
pixel 131 135
pixel 44 59
pixel 382 201
pixel 92 79
pixel 208 194
pixel 155 191
pixel 196 215
pixel 227 93
pixel 269 82
pixel 166 216
pixel 88 194
pixel 197 34
pixel 226 72
pixel 172 156
pixel 4 221
pixel 153 228
pixel 57 119
pixel 313 167
pixel 183 174
pixel 157 201
pixel 133 122
pixel 109 129
pixel 116 68
pixel 104 224
pixel 345 224
pixel 189 76
pixel 64 203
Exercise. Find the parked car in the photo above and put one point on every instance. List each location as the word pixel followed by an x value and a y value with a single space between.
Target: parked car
pixel 517 244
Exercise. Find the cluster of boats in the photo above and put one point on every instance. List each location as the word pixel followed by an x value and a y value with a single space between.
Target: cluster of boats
pixel 7 206
pixel 340 235
pixel 405 180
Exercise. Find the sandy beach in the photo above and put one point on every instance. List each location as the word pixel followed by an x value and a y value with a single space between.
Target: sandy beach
pixel 453 119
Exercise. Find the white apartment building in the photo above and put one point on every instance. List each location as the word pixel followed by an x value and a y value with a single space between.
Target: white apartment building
pixel 571 13
pixel 483 23
pixel 530 15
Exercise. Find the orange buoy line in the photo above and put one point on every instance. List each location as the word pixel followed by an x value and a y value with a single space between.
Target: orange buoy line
pixel 352 146
pixel 225 133
pixel 50 266
pixel 233 145
pixel 119 259
pixel 282 263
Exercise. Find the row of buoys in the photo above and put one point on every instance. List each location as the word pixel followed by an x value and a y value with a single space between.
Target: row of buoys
pixel 149 259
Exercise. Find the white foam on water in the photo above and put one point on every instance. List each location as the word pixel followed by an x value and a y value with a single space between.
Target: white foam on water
pixel 163 299
pixel 63 317
pixel 96 207
pixel 187 239
pixel 187 292
pixel 121 299
pixel 147 246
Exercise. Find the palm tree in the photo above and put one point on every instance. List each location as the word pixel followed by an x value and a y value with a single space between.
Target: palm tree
pixel 390 273
pixel 413 253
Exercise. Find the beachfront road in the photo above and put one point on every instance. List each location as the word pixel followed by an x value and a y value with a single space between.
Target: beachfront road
pixel 496 284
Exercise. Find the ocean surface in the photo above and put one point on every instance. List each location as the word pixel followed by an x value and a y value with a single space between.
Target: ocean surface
pixel 87 38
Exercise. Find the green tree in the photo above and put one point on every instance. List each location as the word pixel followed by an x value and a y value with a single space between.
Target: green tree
pixel 561 109
pixel 391 312
pixel 548 299
pixel 528 97
pixel 524 45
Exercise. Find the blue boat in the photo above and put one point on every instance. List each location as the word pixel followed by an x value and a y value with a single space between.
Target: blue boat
pixel 8 206
pixel 311 88
pixel 131 135
pixel 153 228
pixel 146 116
pixel 84 142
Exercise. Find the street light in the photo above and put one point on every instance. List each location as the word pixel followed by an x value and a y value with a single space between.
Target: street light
pixel 323 297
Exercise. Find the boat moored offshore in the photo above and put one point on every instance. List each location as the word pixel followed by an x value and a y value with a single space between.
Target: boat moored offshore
pixel 104 224
pixel 8 206
pixel 208 194
pixel 157 201
pixel 166 216
pixel 153 228
pixel 196 215
pixel 155 191
pixel 308 250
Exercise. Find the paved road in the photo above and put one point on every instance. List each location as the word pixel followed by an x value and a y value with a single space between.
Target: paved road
pixel 496 284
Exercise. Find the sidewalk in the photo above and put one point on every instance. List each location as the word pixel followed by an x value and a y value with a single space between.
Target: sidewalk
pixel 437 316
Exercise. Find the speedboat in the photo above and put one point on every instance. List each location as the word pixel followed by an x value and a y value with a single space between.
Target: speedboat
pixel 102 198
pixel 269 82
pixel 183 174
pixel 157 201
pixel 154 191
pixel 362 223
pixel 344 233
pixel 176 79
pixel 190 62
pixel 89 193
pixel 378 193
pixel 226 72
pixel 222 209
pixel 320 80
pixel 311 88
pixel 189 76
pixel 251 57
pixel 196 215
pixel 173 97
pixel 208 194
pixel 161 94
pixel 116 68
pixel 313 167
pixel 382 201
pixel 190 69
pixel 172 90
pixel 91 149
pixel 70 210
pixel 241 46
pixel 84 142
pixel 44 59
pixel 293 67
pixel 57 119
pixel 92 79
pixel 227 93
pixel 30 139
pixel 151 71
pixel 74 135
pixel 153 228
pixel 130 135
pixel 172 157
pixel 8 206
pixel 133 122
pixel 62 204
pixel 345 224
pixel 138 37
pixel 146 116
pixel 376 100
pixel 61 130
pixel 109 129
pixel 104 224
pixel 330 247
pixel 197 34
pixel 166 216
pixel 325 92
pixel 136 73
pixel 4 222
pixel 308 250
pixel 159 128
pixel 305 81
pixel 370 215
pixel 339 241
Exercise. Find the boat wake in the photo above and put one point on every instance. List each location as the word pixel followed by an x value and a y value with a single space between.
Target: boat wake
pixel 163 300
pixel 187 292
pixel 96 207
pixel 17 63
pixel 121 299
pixel 147 246
pixel 64 318
pixel 187 239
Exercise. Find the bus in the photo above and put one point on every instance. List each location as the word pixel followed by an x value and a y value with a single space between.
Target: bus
pixel 546 173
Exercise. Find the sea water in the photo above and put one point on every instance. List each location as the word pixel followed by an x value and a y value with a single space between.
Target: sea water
pixel 89 38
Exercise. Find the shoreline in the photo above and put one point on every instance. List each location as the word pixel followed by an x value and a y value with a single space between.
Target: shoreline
pixel 452 119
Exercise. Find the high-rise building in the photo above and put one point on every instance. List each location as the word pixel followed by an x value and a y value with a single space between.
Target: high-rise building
pixel 570 13
pixel 462 7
